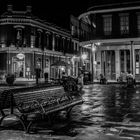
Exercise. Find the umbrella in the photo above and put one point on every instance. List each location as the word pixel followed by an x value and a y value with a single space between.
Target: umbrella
pixel 60 63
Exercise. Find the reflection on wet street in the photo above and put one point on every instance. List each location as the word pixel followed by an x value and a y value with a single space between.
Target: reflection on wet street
pixel 108 109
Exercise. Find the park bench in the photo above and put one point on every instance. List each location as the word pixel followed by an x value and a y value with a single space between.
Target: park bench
pixel 35 105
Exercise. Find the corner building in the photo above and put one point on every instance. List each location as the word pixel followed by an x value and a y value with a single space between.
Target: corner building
pixel 27 43
pixel 116 38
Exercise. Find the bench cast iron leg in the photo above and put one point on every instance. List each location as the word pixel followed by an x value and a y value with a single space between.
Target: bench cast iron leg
pixel 2 119
pixel 22 122
pixel 29 126
pixel 2 112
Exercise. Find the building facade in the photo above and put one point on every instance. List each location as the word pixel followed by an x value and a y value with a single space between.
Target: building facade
pixel 116 39
pixel 28 43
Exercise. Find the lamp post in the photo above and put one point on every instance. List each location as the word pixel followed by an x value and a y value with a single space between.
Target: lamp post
pixel 84 57
pixel 93 62
pixel 73 66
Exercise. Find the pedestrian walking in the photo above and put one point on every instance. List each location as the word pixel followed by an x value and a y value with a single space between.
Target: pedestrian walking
pixel 80 82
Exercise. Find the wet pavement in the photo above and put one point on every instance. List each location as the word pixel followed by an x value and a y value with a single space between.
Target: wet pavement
pixel 110 112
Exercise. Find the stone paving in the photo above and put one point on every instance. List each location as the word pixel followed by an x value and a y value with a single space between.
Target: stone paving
pixel 20 135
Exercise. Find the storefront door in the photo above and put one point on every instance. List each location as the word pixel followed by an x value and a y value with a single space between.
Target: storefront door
pixel 18 67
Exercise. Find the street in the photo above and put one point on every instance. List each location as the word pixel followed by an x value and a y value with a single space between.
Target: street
pixel 110 112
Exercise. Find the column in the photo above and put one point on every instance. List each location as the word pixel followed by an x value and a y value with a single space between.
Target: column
pixel 134 61
pixel 132 58
pixel 99 62
pixel 53 42
pixel 104 63
pixel 63 44
pixel 47 44
pixel 117 62
pixel 125 69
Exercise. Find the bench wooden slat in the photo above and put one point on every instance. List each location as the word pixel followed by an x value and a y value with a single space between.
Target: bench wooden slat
pixel 25 102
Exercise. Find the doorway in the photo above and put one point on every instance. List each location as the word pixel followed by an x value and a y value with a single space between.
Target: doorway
pixel 18 67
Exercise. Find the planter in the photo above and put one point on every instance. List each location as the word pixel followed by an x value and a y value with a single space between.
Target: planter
pixel 10 78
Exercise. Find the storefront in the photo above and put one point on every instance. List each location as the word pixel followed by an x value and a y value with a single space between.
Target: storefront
pixel 18 65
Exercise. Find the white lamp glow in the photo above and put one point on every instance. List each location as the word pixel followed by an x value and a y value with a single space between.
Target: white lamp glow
pixel 84 56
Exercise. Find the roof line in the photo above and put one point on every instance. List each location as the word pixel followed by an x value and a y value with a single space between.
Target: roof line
pixel 114 4
pixel 109 40
pixel 108 10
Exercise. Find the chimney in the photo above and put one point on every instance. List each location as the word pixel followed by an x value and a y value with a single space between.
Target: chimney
pixel 28 9
pixel 9 8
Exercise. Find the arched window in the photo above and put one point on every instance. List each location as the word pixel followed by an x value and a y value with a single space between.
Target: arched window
pixel 19 35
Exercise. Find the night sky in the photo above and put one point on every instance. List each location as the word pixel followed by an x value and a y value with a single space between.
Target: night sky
pixel 55 11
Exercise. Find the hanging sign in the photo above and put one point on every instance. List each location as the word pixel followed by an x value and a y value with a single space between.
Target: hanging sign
pixel 20 55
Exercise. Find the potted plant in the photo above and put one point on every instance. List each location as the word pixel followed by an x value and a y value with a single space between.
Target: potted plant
pixel 10 78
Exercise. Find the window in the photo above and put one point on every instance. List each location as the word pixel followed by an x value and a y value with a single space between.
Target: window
pixel 124 24
pixel 138 23
pixel 107 23
pixel 137 63
pixel 32 38
pixel 73 30
pixel 19 35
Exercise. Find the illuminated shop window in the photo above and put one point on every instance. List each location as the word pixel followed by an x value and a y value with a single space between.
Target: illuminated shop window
pixel 137 64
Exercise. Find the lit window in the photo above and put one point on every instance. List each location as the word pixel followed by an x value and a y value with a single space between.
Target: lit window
pixel 73 30
pixel 107 22
pixel 124 24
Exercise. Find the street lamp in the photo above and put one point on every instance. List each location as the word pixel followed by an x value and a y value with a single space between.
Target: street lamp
pixel 93 62
pixel 93 48
pixel 84 57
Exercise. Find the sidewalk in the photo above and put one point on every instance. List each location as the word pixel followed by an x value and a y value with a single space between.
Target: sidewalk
pixel 112 82
pixel 108 81
pixel 22 82
pixel 30 82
